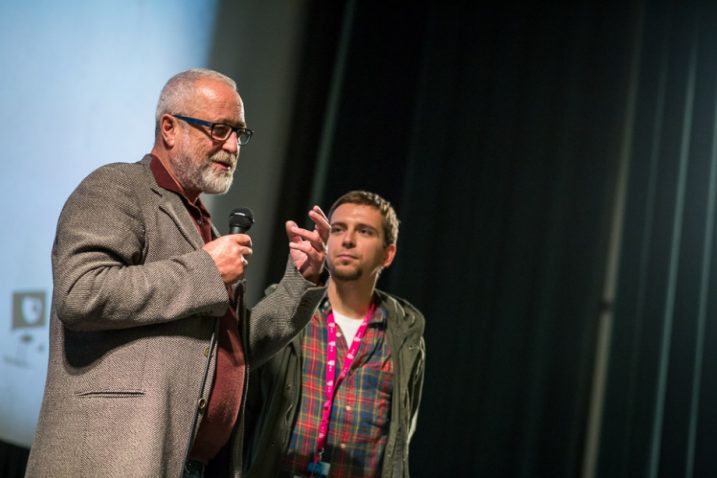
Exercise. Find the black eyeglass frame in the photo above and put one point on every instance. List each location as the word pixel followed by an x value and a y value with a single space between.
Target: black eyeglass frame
pixel 243 134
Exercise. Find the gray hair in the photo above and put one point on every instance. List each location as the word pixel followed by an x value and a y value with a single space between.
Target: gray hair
pixel 181 86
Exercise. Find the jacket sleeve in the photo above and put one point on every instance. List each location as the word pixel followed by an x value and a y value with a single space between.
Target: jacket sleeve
pixel 281 314
pixel 101 280
pixel 416 386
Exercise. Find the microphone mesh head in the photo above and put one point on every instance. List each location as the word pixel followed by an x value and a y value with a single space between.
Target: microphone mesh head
pixel 241 218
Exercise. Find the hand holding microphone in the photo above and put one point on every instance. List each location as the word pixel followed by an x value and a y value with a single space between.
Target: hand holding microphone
pixel 230 252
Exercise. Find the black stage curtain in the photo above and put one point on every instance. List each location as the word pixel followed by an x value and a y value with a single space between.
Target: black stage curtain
pixel 501 134
pixel 13 460
pixel 496 133
pixel 660 414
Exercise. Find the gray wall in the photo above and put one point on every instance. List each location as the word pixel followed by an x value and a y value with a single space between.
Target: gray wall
pixel 258 44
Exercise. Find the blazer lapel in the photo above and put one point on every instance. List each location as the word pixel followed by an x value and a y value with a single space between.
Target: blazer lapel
pixel 172 205
pixel 184 222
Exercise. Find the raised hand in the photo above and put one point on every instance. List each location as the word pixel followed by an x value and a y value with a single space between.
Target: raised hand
pixel 308 248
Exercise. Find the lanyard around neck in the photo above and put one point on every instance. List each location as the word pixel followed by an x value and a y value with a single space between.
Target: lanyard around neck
pixel 331 384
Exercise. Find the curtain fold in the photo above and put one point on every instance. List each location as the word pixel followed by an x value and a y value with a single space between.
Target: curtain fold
pixel 658 415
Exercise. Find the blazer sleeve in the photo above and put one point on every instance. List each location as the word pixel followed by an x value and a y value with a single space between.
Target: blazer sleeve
pixel 281 314
pixel 101 277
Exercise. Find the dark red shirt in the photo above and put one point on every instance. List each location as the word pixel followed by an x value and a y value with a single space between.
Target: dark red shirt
pixel 221 412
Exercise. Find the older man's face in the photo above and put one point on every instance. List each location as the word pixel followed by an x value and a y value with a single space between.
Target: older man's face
pixel 202 164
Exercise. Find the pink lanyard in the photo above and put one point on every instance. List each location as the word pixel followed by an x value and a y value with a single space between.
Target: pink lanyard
pixel 330 373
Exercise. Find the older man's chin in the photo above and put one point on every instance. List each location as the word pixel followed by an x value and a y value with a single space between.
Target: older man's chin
pixel 217 183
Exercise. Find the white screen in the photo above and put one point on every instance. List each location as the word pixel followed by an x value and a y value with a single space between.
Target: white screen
pixel 79 82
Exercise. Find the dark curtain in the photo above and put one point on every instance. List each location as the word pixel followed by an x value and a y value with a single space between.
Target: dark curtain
pixel 506 211
pixel 659 413
pixel 13 460
pixel 496 133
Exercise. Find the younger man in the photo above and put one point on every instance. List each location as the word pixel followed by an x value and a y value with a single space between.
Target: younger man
pixel 341 399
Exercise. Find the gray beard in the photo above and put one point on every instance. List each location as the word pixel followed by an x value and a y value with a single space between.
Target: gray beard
pixel 201 177
pixel 213 183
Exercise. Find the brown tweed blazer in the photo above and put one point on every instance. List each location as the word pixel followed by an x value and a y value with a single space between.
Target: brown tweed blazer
pixel 132 347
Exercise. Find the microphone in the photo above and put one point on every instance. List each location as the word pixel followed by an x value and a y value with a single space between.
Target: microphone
pixel 240 220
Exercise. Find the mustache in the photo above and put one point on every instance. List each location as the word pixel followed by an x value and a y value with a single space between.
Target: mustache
pixel 224 157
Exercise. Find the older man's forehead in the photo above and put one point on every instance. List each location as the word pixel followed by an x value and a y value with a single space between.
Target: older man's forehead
pixel 214 97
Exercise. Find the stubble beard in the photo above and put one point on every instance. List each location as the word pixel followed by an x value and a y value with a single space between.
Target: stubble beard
pixel 344 275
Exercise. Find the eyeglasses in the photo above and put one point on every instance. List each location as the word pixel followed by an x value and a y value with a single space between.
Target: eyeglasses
pixel 220 131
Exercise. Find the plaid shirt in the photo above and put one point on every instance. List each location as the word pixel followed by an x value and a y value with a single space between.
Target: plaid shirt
pixel 359 422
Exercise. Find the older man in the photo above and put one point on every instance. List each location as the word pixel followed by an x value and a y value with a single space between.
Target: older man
pixel 150 343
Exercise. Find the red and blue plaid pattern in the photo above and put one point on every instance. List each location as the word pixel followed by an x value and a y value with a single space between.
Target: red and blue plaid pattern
pixel 360 415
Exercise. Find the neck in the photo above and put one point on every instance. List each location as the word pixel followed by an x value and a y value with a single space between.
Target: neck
pixel 164 159
pixel 350 298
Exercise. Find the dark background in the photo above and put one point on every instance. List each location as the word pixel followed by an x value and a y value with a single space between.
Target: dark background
pixel 554 166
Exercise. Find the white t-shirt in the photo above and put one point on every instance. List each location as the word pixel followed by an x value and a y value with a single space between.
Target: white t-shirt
pixel 348 326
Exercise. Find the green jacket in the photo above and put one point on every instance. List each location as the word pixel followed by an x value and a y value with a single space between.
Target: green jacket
pixel 276 388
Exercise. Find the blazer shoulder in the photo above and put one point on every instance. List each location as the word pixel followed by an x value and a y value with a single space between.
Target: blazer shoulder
pixel 129 170
pixel 111 187
pixel 114 173
pixel 114 178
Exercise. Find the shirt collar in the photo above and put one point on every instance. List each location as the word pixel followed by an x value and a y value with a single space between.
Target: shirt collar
pixel 379 313
pixel 166 181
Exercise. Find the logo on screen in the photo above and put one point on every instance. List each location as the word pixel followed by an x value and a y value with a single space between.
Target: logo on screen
pixel 28 329
pixel 28 309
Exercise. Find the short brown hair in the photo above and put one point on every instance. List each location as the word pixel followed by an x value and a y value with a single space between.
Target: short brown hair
pixel 390 220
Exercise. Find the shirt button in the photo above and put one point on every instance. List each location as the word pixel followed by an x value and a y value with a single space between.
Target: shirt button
pixel 342 446
pixel 348 408
pixel 202 404
pixel 338 334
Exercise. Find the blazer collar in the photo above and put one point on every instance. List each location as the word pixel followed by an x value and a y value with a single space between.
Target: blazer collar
pixel 171 204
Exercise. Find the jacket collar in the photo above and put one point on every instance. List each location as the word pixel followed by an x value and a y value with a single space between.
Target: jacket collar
pixel 171 203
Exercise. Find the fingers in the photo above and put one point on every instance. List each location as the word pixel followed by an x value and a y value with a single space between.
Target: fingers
pixel 242 247
pixel 318 236
pixel 246 252
pixel 317 213
pixel 230 254
pixel 321 222
pixel 308 260
pixel 240 239
pixel 307 248
pixel 300 235
pixel 237 245
pixel 290 226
